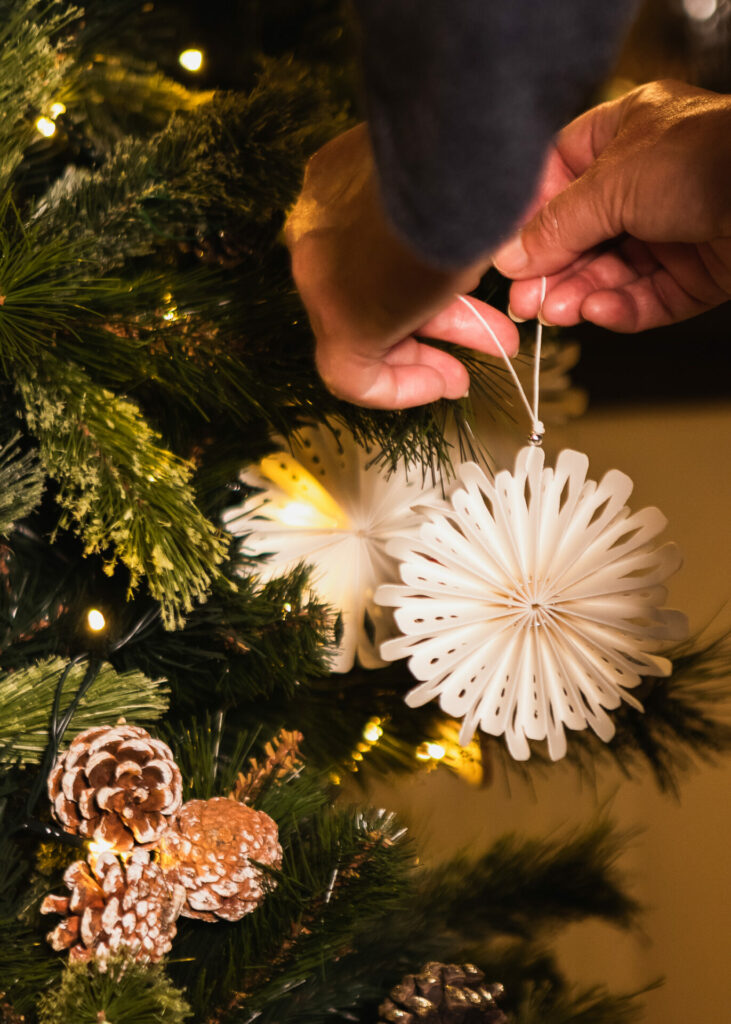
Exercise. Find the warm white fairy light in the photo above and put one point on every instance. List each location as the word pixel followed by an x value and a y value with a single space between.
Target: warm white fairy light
pixel 57 109
pixel 95 620
pixel 373 730
pixel 191 60
pixel 45 127
pixel 96 848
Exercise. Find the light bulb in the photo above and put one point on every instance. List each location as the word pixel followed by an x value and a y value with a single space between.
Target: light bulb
pixel 46 127
pixel 95 620
pixel 435 750
pixel 372 732
pixel 57 109
pixel 191 60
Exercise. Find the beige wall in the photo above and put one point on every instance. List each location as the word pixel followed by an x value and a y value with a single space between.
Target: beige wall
pixel 679 460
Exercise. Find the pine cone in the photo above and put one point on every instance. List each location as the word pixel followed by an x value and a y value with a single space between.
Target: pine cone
pixel 443 994
pixel 116 784
pixel 115 906
pixel 208 849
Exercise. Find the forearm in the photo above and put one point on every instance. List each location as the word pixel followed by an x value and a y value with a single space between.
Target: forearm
pixel 462 99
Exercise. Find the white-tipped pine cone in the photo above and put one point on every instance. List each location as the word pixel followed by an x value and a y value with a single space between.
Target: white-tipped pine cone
pixel 117 785
pixel 209 849
pixel 114 907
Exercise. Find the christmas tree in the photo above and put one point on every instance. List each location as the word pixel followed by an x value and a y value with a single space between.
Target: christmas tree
pixel 177 715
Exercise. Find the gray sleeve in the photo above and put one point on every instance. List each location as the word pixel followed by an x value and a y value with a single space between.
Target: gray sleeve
pixel 462 99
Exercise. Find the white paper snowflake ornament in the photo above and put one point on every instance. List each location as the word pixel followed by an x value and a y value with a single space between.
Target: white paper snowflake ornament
pixel 533 602
pixel 325 503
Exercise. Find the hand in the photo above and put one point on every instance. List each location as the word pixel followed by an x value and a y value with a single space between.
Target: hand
pixel 369 296
pixel 632 224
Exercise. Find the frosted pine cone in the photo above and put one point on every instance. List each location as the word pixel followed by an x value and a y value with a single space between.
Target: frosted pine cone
pixel 443 994
pixel 115 907
pixel 116 784
pixel 209 848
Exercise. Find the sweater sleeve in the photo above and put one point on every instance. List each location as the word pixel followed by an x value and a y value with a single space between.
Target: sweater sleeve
pixel 462 99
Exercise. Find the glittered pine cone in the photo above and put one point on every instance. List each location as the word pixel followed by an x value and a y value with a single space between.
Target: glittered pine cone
pixel 209 849
pixel 115 906
pixel 117 785
pixel 443 994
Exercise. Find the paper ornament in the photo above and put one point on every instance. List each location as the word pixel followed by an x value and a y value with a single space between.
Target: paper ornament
pixel 533 603
pixel 325 503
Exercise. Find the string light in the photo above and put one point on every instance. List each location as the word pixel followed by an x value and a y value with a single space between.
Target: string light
pixel 191 60
pixel 95 620
pixel 373 731
pixel 57 109
pixel 97 847
pixel 46 127
pixel 429 751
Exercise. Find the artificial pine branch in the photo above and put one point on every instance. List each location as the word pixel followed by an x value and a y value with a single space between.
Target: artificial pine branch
pixel 208 764
pixel 27 969
pixel 27 696
pixel 128 497
pixel 342 870
pixel 31 72
pixel 548 1004
pixel 685 722
pixel 21 484
pixel 241 646
pixel 108 99
pixel 237 158
pixel 521 885
pixel 126 992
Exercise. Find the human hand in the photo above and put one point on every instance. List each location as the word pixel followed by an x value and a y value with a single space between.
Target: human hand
pixel 632 220
pixel 370 298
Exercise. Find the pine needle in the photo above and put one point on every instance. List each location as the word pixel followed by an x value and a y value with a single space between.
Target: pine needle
pixel 126 496
pixel 27 695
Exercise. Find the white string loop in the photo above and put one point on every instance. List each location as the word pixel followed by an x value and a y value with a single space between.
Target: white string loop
pixel 537 427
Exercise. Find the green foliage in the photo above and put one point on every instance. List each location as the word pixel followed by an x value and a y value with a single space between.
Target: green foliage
pixel 120 489
pixel 110 99
pixel 343 870
pixel 549 1004
pixel 27 696
pixel 21 484
pixel 126 993
pixel 242 646
pixel 26 968
pixel 521 885
pixel 684 724
pixel 43 288
pixel 235 161
pixel 31 70
pixel 207 769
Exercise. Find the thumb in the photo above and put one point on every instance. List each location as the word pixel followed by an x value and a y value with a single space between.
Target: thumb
pixel 573 221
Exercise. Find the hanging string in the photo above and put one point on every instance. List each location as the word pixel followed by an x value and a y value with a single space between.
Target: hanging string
pixel 537 427
pixel 537 353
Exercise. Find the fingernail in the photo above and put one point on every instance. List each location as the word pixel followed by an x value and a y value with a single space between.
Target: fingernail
pixel 514 318
pixel 466 394
pixel 546 323
pixel 511 258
